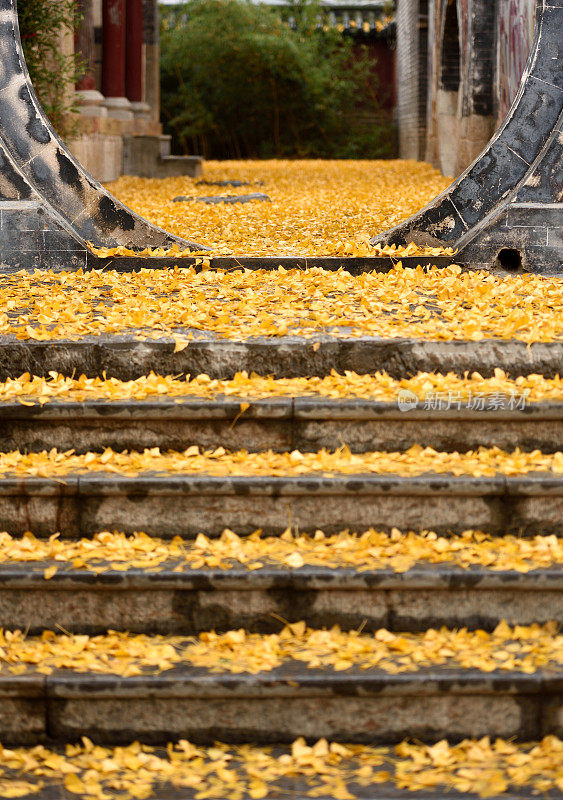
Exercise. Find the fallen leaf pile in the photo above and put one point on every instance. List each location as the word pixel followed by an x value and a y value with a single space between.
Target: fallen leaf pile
pixel 417 460
pixel 322 770
pixel 380 387
pixel 428 303
pixel 146 252
pixel 371 550
pixel 352 249
pixel 317 207
pixel 522 648
pixel 484 767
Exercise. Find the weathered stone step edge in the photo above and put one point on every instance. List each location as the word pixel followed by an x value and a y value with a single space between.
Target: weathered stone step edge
pixel 287 789
pixel 188 603
pixel 127 358
pixel 222 407
pixel 166 505
pixel 280 705
pixel 280 424
pixel 29 575
pixel 355 265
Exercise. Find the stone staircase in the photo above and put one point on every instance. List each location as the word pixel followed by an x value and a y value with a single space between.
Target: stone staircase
pixel 292 700
pixel 150 157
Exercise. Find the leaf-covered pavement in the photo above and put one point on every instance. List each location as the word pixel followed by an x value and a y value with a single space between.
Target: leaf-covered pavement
pixel 522 648
pixel 370 550
pixel 317 207
pixel 417 460
pixel 430 304
pixel 379 386
pixel 327 770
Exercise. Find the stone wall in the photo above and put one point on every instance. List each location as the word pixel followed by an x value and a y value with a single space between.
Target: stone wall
pixel 475 55
pixel 514 31
pixel 411 95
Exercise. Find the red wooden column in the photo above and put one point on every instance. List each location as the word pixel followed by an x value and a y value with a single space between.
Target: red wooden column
pixel 113 68
pixel 134 61
pixel 88 98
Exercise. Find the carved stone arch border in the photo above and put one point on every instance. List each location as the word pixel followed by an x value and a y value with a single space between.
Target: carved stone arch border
pixel 506 209
pixel 50 207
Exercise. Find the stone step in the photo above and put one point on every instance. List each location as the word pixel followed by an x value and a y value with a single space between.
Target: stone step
pixel 279 424
pixel 149 157
pixel 355 265
pixel 168 601
pixel 127 357
pixel 357 705
pixel 78 505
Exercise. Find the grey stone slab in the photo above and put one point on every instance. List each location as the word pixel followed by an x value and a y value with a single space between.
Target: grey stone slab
pixel 127 358
pixel 544 183
pixel 192 601
pixel 439 407
pixel 39 504
pixel 444 435
pixel 200 504
pixel 278 706
pixel 296 788
pixel 534 215
pixel 547 62
pixel 166 505
pixel 23 708
pixel 85 435
pixel 227 199
pixel 280 424
pixel 135 425
pixel 555 239
pixel 528 131
pixel 167 408
pixel 25 216
pixel 234 182
pixel 482 186
pixel 13 186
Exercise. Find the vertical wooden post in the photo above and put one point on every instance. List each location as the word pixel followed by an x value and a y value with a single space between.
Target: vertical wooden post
pixel 113 72
pixel 88 98
pixel 134 61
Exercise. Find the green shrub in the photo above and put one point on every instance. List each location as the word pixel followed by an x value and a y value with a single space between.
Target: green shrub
pixel 42 22
pixel 238 82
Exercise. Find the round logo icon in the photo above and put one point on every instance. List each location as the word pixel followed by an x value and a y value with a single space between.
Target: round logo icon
pixel 406 400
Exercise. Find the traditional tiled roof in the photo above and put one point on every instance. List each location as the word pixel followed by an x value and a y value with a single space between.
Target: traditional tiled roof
pixel 359 17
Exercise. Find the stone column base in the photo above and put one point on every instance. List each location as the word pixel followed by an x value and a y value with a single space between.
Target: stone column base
pixel 89 102
pixel 141 110
pixel 118 108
